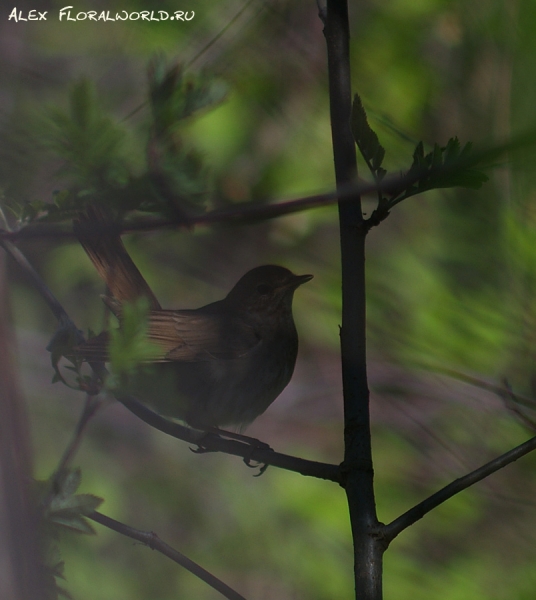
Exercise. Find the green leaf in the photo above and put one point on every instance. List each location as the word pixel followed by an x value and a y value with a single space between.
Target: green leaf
pixel 70 483
pixel 443 167
pixel 448 167
pixel 73 522
pixel 67 509
pixel 88 141
pixel 378 158
pixel 129 345
pixel 176 96
pixel 366 139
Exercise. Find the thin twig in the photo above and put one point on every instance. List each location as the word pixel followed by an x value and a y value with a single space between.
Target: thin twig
pixel 500 390
pixel 511 402
pixel 389 532
pixel 151 540
pixel 53 303
pixel 242 213
pixel 246 212
pixel 251 452
pixel 91 406
pixel 348 191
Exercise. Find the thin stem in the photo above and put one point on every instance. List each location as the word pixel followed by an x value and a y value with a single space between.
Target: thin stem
pixel 357 465
pixel 91 406
pixel 155 543
pixel 500 390
pixel 251 452
pixel 389 532
pixel 243 213
pixel 53 303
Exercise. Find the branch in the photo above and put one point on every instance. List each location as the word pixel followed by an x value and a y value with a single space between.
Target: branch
pixel 91 406
pixel 389 532
pixel 253 451
pixel 53 303
pixel 155 543
pixel 511 402
pixel 246 212
pixel 357 465
pixel 242 213
pixel 500 390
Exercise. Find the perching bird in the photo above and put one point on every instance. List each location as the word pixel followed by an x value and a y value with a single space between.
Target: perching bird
pixel 219 365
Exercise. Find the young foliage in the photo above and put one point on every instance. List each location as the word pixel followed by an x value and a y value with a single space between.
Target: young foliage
pixel 367 141
pixel 177 173
pixel 443 167
pixel 175 96
pixel 62 509
pixel 69 510
pixel 129 345
pixel 93 150
pixel 89 142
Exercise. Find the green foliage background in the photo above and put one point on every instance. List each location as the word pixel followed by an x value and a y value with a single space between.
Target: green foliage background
pixel 451 280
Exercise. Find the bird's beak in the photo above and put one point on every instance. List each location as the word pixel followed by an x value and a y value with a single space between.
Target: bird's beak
pixel 299 280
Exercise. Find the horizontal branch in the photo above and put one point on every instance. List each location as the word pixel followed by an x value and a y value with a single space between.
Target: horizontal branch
pixel 155 543
pixel 246 212
pixel 249 449
pixel 241 213
pixel 389 532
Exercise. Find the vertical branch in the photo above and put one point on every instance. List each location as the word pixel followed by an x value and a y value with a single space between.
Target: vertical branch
pixel 357 463
pixel 20 561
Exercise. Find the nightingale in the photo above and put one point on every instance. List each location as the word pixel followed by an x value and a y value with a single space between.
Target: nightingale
pixel 219 365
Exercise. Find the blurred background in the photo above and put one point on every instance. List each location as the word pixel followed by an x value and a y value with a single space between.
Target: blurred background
pixel 451 281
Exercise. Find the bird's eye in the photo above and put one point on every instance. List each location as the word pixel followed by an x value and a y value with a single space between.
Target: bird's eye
pixel 263 289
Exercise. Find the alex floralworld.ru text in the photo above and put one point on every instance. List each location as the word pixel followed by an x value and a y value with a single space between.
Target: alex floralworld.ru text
pixel 68 14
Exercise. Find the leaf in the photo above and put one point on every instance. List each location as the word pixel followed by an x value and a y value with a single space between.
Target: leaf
pixel 70 483
pixel 366 139
pixel 129 345
pixel 176 96
pixel 67 509
pixel 73 522
pixel 89 142
pixel 378 158
pixel 443 167
pixel 83 504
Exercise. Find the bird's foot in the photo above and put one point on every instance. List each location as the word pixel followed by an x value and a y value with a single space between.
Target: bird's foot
pixel 239 437
pixel 253 445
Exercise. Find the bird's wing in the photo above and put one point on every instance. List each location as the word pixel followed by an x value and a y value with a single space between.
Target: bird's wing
pixel 186 336
pixel 196 336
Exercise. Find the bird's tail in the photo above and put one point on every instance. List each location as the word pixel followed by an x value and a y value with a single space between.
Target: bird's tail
pixel 100 237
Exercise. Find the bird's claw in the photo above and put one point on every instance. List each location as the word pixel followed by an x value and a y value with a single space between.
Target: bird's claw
pixel 262 469
pixel 253 444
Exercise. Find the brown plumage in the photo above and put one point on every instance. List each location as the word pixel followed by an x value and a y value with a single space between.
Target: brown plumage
pixel 222 364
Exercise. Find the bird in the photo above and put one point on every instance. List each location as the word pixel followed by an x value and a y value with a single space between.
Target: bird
pixel 220 365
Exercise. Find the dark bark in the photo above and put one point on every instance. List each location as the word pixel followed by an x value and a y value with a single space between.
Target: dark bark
pixel 357 465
